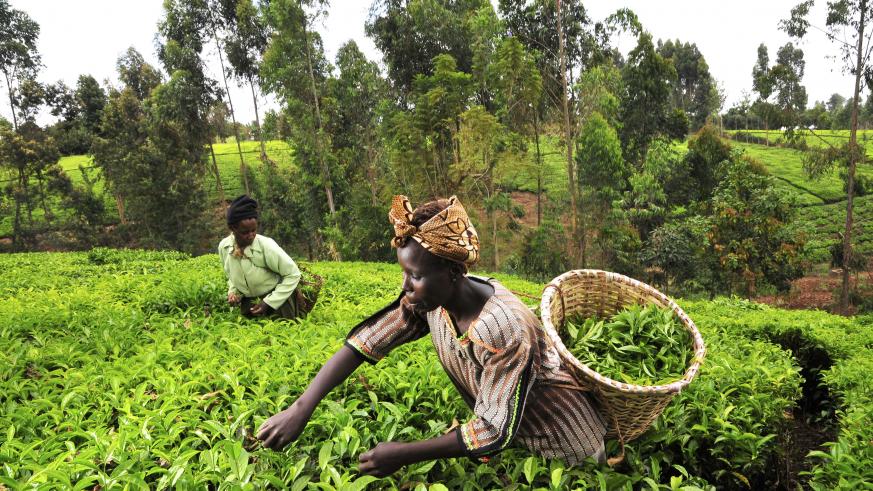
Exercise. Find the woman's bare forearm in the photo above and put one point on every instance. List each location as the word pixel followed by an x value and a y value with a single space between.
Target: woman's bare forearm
pixel 441 447
pixel 387 457
pixel 338 368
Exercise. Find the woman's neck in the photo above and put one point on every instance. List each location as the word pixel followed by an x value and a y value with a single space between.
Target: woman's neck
pixel 467 300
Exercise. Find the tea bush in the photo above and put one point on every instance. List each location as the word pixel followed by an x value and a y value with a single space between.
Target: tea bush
pixel 126 369
pixel 848 346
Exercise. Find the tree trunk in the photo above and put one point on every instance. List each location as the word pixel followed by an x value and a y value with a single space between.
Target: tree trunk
pixel 565 103
pixel 854 154
pixel 494 238
pixel 16 225
pixel 45 209
pixel 243 169
pixel 539 170
pixel 215 170
pixel 457 155
pixel 11 101
pixel 264 158
pixel 583 242
pixel 22 183
pixel 328 190
pixel 371 170
pixel 119 204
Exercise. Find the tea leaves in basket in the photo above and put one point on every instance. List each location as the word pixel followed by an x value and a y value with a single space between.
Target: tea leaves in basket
pixel 637 345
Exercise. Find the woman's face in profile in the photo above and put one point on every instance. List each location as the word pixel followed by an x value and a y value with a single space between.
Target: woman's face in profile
pixel 427 280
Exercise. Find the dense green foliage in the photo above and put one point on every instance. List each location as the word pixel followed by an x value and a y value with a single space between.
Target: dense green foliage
pixel 125 368
pixel 86 177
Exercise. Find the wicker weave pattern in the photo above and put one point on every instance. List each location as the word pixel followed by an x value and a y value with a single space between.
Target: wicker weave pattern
pixel 589 292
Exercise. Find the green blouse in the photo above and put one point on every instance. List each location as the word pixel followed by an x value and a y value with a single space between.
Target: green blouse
pixel 265 268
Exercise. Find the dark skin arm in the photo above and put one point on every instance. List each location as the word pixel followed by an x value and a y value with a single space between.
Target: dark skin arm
pixel 382 460
pixel 387 457
pixel 285 427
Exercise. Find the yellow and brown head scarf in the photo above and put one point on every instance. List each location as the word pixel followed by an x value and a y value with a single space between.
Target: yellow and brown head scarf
pixel 448 234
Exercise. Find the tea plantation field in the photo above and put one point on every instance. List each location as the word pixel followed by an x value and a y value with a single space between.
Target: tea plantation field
pixel 820 138
pixel 786 165
pixel 821 224
pixel 821 211
pixel 126 370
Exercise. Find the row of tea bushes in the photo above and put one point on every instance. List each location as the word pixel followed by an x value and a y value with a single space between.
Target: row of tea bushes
pixel 138 375
pixel 842 348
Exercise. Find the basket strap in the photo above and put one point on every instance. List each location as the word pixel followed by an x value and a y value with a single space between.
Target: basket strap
pixel 581 386
pixel 525 295
pixel 577 386
pixel 612 461
pixel 561 296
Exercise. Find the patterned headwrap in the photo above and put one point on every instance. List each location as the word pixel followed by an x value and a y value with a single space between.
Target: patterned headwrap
pixel 448 234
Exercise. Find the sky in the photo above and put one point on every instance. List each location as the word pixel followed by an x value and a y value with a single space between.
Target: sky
pixel 88 36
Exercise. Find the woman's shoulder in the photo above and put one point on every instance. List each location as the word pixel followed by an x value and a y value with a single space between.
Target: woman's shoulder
pixel 504 297
pixel 264 242
pixel 503 318
pixel 226 242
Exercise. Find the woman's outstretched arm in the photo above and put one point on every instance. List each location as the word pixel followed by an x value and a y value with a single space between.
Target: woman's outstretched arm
pixel 285 427
pixel 387 457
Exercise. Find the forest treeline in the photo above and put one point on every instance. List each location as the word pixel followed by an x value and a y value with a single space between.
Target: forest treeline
pixel 567 153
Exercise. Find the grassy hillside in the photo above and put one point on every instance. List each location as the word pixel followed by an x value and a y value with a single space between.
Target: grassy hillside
pixel 81 167
pixel 126 369
pixel 226 156
pixel 786 165
pixel 818 138
pixel 228 160
pixel 554 170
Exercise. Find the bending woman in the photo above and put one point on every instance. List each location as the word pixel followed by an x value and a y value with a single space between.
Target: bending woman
pixel 261 277
pixel 487 340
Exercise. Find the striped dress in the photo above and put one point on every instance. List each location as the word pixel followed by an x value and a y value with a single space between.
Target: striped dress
pixel 514 381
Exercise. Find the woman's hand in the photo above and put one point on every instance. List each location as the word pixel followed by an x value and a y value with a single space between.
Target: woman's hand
pixel 233 298
pixel 284 427
pixel 383 460
pixel 260 309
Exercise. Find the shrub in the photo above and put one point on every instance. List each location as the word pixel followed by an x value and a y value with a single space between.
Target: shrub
pixel 544 253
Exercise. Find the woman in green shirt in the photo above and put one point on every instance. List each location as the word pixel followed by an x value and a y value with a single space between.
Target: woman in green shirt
pixel 261 277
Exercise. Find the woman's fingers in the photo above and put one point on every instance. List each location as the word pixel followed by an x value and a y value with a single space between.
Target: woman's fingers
pixel 266 436
pixel 366 465
pixel 274 441
pixel 262 430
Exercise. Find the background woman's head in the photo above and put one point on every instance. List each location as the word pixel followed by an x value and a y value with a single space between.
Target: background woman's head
pixel 242 219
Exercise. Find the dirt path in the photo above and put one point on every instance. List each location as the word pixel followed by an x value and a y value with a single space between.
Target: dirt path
pixel 814 291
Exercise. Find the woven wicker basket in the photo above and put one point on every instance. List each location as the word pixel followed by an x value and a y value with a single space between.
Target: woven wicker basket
pixel 630 408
